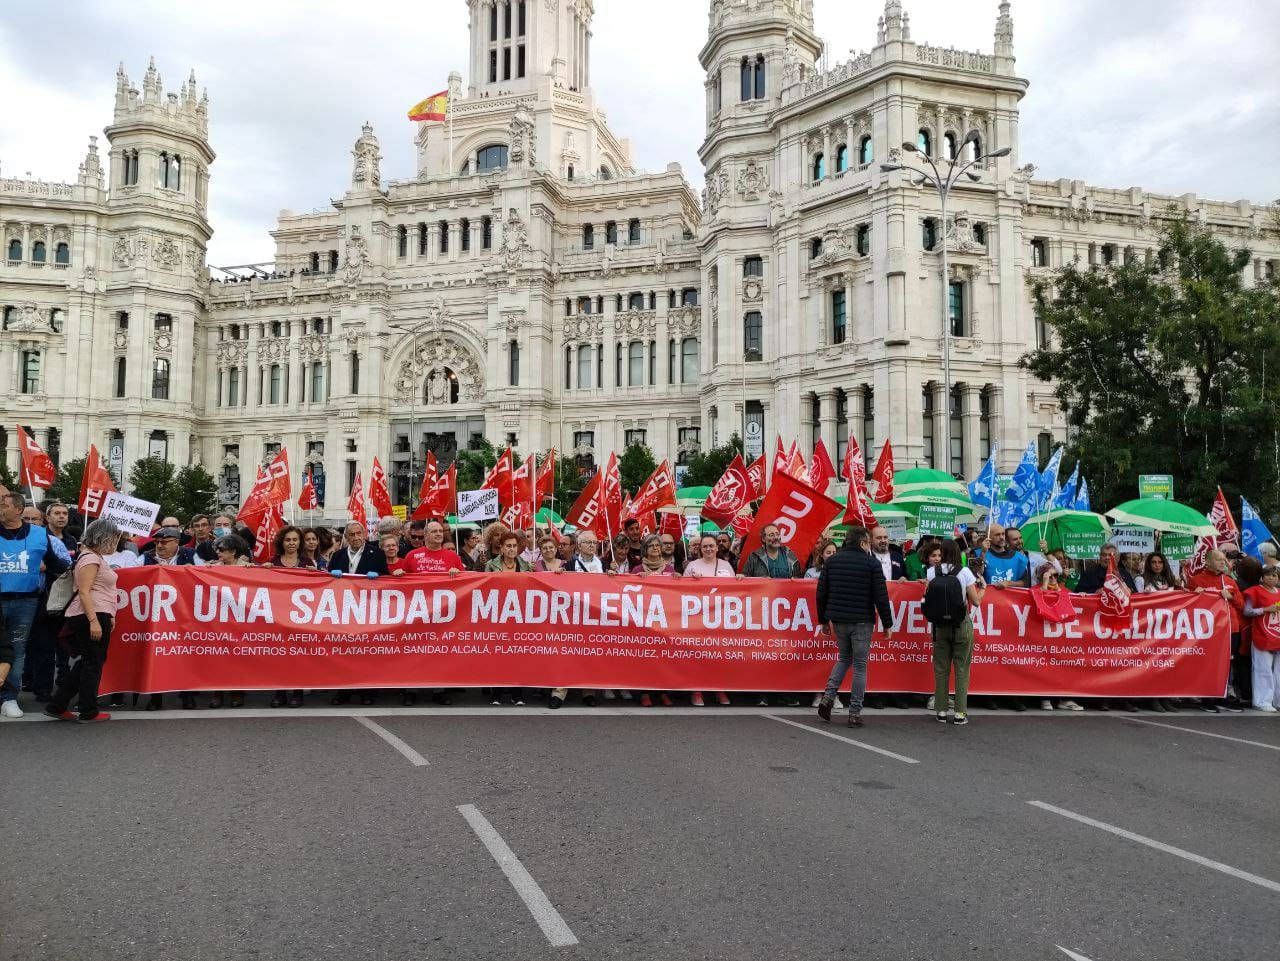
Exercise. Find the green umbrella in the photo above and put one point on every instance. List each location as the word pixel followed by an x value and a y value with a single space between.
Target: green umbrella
pixel 548 516
pixel 1169 517
pixel 1051 525
pixel 885 512
pixel 967 512
pixel 924 478
pixel 689 500
pixel 708 527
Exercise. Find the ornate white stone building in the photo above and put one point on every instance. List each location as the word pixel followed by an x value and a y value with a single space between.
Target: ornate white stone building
pixel 528 285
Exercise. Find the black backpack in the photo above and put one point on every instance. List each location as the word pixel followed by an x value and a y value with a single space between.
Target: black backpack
pixel 944 603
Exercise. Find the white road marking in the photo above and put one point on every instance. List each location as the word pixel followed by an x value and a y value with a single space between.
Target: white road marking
pixel 1071 954
pixel 414 758
pixel 1193 730
pixel 847 740
pixel 548 918
pixel 1161 846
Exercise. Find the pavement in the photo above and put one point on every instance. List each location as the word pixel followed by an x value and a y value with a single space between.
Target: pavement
pixel 740 833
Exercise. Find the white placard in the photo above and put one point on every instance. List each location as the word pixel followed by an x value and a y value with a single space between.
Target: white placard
pixel 753 445
pixel 895 527
pixel 692 525
pixel 481 505
pixel 133 516
pixel 1133 540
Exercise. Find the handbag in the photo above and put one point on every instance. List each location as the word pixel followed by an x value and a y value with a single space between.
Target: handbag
pixel 61 592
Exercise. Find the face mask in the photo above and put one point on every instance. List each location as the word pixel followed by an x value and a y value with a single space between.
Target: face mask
pixel 221 531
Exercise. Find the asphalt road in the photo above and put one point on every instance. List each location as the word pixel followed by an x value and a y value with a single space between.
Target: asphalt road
pixel 688 834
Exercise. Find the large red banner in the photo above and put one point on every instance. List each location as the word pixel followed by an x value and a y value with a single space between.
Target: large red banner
pixel 242 629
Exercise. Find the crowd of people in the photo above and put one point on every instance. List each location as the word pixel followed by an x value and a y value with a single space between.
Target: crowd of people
pixel 56 649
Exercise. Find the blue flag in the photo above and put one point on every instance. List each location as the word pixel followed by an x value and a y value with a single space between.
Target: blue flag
pixel 1082 499
pixel 983 489
pixel 1048 484
pixel 1067 496
pixel 1253 531
pixel 1019 502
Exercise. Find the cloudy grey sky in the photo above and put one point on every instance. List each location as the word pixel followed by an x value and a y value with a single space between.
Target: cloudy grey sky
pixel 1173 95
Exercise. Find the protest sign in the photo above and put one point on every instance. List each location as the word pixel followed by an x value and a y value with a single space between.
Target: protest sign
pixel 1133 540
pixel 474 506
pixel 133 516
pixel 1083 546
pixel 937 520
pixel 1159 486
pixel 1177 547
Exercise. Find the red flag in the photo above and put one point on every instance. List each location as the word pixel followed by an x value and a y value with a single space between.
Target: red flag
pixel 858 502
pixel 37 466
pixel 781 462
pixel 499 478
pixel 658 491
pixel 741 525
pixel 269 524
pixel 355 504
pixel 425 506
pixel 795 463
pixel 446 491
pixel 522 482
pixel 272 487
pixel 544 484
pixel 611 491
pixel 307 498
pixel 757 472
pixel 587 512
pixel 95 484
pixel 883 475
pixel 800 512
pixel 731 493
pixel 1221 517
pixel 670 523
pixel 518 517
pixel 1114 597
pixel 378 493
pixel 821 471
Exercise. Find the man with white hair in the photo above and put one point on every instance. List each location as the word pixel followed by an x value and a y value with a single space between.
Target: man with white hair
pixel 1268 552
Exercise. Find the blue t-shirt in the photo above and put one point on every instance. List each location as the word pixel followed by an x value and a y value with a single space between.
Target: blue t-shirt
pixel 1002 570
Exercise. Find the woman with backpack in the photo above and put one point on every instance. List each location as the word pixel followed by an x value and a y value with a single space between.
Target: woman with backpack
pixel 951 590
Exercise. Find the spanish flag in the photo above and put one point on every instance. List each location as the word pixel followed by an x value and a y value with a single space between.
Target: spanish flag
pixel 434 107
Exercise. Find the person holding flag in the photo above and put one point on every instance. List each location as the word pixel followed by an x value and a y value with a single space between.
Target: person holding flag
pixel 1214 578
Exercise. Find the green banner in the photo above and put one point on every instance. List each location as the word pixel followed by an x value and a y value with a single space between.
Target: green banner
pixel 1178 547
pixel 1083 546
pixel 936 520
pixel 1159 486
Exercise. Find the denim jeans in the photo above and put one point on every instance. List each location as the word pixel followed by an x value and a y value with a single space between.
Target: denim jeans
pixel 854 641
pixel 19 612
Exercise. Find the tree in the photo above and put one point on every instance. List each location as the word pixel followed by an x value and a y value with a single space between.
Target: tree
pixel 195 492
pixel 707 467
pixel 1167 366
pixel 66 486
pixel 7 480
pixel 473 465
pixel 635 465
pixel 151 479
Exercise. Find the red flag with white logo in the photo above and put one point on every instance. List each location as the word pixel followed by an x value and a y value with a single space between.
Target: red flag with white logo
pixel 657 492
pixel 272 487
pixel 800 512
pixel 355 504
pixel 95 484
pixel 858 503
pixel 264 535
pixel 611 490
pixel 1115 596
pixel 587 512
pixel 731 493
pixel 37 466
pixel 307 500
pixel 499 478
pixel 883 475
pixel 821 471
pixel 757 472
pixel 1221 517
pixel 544 484
pixel 378 492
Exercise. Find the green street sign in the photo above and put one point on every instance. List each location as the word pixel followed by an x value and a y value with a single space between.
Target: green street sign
pixel 1083 546
pixel 1178 547
pixel 936 520
pixel 1159 486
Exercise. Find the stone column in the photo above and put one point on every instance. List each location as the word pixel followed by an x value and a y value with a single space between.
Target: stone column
pixel 254 375
pixel 941 411
pixel 828 415
pixel 972 421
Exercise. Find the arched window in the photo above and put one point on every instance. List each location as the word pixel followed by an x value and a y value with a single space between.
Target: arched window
pixel 815 248
pixel 611 232
pixel 819 167
pixel 402 241
pixel 842 158
pixel 760 85
pixel 950 151
pixel 605 173
pixel 10 315
pixel 130 168
pixel 584 366
pixel 975 147
pixel 863 239
pixel 839 317
pixel 465 230
pixel 56 319
pixel 493 23
pixel 491 158
pixel 443 228
pixel 980 233
pixel 956 308
pixel 315 263
pixel 689 360
pixel 15 249
pixel 588 237
pixel 633 230
pixel 866 151
pixel 753 336
pixel 175 173
pixel 160 379
pixel 635 364
pixel 635 301
pixel 753 266
pixel 748 79
pixel 929 233
pixel 62 254
pixel 513 363
pixel 122 370
pixel 37 252
pixel 689 297
pixel 924 143
pixel 486 233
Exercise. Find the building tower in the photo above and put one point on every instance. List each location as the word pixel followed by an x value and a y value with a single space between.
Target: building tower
pixel 515 43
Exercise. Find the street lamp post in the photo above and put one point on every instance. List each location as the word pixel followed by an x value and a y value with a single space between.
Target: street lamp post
pixel 412 329
pixel 943 178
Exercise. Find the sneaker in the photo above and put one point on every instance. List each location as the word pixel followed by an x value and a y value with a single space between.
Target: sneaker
pixel 928 705
pixel 762 701
pixel 696 699
pixel 723 699
pixel 1233 707
pixel 1046 704
pixel 496 703
pixel 817 699
pixel 941 717
pixel 609 695
pixel 518 702
pixel 1069 705
pixel 10 709
pixel 1209 708
pixel 1268 708
pixel 961 719
pixel 100 716
pixel 555 703
pixel 59 715
pixel 824 708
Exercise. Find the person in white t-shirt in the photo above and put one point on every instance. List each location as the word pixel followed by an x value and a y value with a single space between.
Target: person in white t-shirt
pixel 953 645
pixel 708 563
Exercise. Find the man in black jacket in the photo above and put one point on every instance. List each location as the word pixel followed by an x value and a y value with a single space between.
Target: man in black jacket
pixel 851 595
pixel 359 556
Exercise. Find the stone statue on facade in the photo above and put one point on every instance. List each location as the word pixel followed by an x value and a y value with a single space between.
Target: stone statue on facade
pixel 365 171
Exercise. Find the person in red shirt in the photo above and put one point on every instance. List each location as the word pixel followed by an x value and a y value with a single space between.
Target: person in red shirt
pixel 1214 579
pixel 433 557
pixel 1262 607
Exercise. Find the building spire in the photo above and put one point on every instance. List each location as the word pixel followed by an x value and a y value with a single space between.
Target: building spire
pixel 895 22
pixel 1004 31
